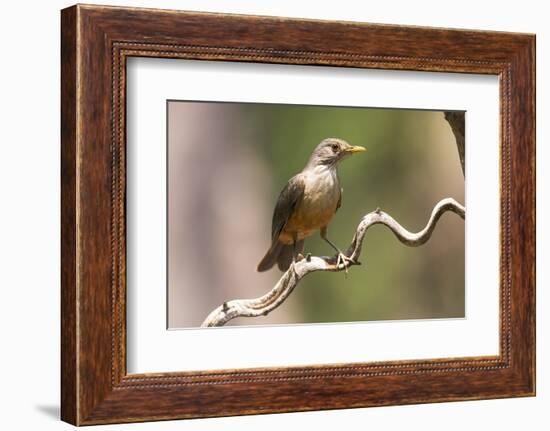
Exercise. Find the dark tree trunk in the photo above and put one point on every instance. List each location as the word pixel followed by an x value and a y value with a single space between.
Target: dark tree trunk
pixel 456 121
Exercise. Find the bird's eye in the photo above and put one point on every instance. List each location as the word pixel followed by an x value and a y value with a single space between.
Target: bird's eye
pixel 334 148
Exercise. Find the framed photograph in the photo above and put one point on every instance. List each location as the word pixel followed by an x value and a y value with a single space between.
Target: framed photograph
pixel 263 214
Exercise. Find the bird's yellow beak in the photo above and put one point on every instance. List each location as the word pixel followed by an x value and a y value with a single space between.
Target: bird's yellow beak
pixel 356 149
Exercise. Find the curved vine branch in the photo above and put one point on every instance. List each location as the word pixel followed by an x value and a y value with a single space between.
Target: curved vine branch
pixel 279 293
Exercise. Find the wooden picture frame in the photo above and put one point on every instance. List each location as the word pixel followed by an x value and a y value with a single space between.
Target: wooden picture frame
pixel 95 43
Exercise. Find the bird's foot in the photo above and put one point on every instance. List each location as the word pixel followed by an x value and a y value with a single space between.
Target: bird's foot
pixel 344 260
pixel 299 257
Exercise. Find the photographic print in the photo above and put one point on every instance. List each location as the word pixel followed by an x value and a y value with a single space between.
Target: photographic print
pixel 256 189
pixel 249 211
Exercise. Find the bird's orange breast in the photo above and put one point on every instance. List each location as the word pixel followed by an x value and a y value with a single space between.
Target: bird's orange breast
pixel 317 207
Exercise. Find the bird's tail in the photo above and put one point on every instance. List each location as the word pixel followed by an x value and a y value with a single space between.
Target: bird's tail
pixel 281 254
pixel 271 256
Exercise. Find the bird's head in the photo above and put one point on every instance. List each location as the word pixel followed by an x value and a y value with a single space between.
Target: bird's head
pixel 330 151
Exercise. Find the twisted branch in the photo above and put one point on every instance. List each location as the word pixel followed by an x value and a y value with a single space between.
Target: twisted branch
pixel 279 293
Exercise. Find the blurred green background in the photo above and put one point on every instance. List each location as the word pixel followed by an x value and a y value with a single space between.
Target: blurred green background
pixel 227 165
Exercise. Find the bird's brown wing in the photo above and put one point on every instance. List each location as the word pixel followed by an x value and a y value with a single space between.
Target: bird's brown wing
pixel 339 204
pixel 290 197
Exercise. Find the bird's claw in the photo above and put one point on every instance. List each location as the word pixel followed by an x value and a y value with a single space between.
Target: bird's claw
pixel 344 260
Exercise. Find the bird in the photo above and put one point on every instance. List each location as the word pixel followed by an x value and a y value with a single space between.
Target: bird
pixel 306 204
